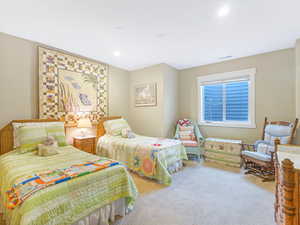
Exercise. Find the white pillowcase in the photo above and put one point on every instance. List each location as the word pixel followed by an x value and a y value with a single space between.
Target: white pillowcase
pixel 16 127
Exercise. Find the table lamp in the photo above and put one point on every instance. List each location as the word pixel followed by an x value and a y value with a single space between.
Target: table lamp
pixel 84 123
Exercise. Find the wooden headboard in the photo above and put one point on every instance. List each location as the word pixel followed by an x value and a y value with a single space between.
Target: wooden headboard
pixel 7 136
pixel 100 126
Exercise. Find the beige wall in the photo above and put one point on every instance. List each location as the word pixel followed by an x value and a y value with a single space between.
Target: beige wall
pixel 170 100
pixel 275 91
pixel 19 82
pixel 147 120
pixel 155 121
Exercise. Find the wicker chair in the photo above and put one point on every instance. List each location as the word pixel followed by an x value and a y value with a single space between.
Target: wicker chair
pixel 258 159
pixel 194 142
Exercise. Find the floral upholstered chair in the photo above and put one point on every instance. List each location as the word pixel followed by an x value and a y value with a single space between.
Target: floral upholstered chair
pixel 259 158
pixel 189 134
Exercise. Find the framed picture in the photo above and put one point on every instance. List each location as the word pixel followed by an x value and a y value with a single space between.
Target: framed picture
pixel 145 95
pixel 70 85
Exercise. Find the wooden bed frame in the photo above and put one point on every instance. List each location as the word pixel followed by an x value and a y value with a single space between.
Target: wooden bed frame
pixel 100 127
pixel 7 138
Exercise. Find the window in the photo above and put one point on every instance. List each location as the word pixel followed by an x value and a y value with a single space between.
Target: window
pixel 227 99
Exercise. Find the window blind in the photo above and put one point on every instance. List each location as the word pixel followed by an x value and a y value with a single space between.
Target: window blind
pixel 227 101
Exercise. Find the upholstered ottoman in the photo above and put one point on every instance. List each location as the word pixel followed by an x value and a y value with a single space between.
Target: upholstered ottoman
pixel 225 151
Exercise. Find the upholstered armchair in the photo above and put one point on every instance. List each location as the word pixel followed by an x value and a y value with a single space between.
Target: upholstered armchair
pixel 258 159
pixel 188 132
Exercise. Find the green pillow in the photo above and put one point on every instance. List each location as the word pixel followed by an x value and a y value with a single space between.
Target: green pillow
pixel 115 127
pixel 30 137
pixel 58 132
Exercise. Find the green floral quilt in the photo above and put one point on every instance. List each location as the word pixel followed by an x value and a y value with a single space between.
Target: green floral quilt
pixel 66 202
pixel 147 156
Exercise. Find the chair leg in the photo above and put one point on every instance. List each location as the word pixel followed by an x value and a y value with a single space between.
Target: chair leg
pixel 266 174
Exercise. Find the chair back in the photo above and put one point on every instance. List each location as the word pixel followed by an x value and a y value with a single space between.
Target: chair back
pixel 186 130
pixel 281 130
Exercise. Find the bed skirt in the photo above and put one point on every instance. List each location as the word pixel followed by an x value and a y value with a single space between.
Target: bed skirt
pixel 103 216
pixel 175 167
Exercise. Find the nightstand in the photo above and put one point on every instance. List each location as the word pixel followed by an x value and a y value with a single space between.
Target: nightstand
pixel 87 143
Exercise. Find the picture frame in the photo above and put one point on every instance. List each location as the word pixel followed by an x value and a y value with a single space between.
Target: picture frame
pixel 70 85
pixel 145 95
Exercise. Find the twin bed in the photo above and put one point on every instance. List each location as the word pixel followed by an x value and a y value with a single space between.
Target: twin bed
pixel 154 158
pixel 89 198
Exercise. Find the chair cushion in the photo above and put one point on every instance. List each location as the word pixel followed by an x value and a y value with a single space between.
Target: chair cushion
pixel 274 131
pixel 189 143
pixel 187 135
pixel 189 128
pixel 257 155
pixel 185 122
pixel 265 148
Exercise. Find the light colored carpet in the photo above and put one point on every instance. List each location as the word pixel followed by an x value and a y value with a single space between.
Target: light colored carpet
pixel 204 194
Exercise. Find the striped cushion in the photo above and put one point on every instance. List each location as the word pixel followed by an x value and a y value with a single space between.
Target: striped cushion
pixel 58 132
pixel 114 127
pixel 190 143
pixel 187 135
pixel 189 128
pixel 17 126
pixel 30 137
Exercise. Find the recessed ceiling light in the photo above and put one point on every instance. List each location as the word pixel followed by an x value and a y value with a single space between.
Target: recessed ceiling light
pixel 223 11
pixel 117 53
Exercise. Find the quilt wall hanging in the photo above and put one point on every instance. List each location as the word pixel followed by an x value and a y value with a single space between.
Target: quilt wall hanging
pixel 70 86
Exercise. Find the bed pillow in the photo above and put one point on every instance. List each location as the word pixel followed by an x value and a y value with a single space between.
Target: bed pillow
pixel 17 126
pixel 58 132
pixel 31 137
pixel 114 127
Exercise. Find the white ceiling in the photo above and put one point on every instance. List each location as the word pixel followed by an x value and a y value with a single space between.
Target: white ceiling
pixel 181 33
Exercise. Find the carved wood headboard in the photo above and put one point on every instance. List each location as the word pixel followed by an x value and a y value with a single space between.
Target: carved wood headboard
pixel 100 126
pixel 7 136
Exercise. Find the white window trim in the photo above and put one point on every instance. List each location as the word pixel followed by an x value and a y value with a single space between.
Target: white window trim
pixel 229 76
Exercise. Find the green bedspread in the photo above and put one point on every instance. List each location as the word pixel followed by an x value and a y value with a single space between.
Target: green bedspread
pixel 147 156
pixel 67 202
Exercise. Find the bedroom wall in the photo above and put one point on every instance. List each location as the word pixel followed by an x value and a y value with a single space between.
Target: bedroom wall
pixel 147 120
pixel 155 121
pixel 275 91
pixel 19 82
pixel 171 105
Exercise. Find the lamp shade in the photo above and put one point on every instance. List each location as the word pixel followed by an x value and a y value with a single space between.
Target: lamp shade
pixel 84 123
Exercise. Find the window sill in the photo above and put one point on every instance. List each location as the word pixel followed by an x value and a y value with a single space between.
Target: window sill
pixel 228 124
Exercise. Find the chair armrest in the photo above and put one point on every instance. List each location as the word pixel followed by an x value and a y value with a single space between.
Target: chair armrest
pixel 176 136
pixel 272 156
pixel 201 141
